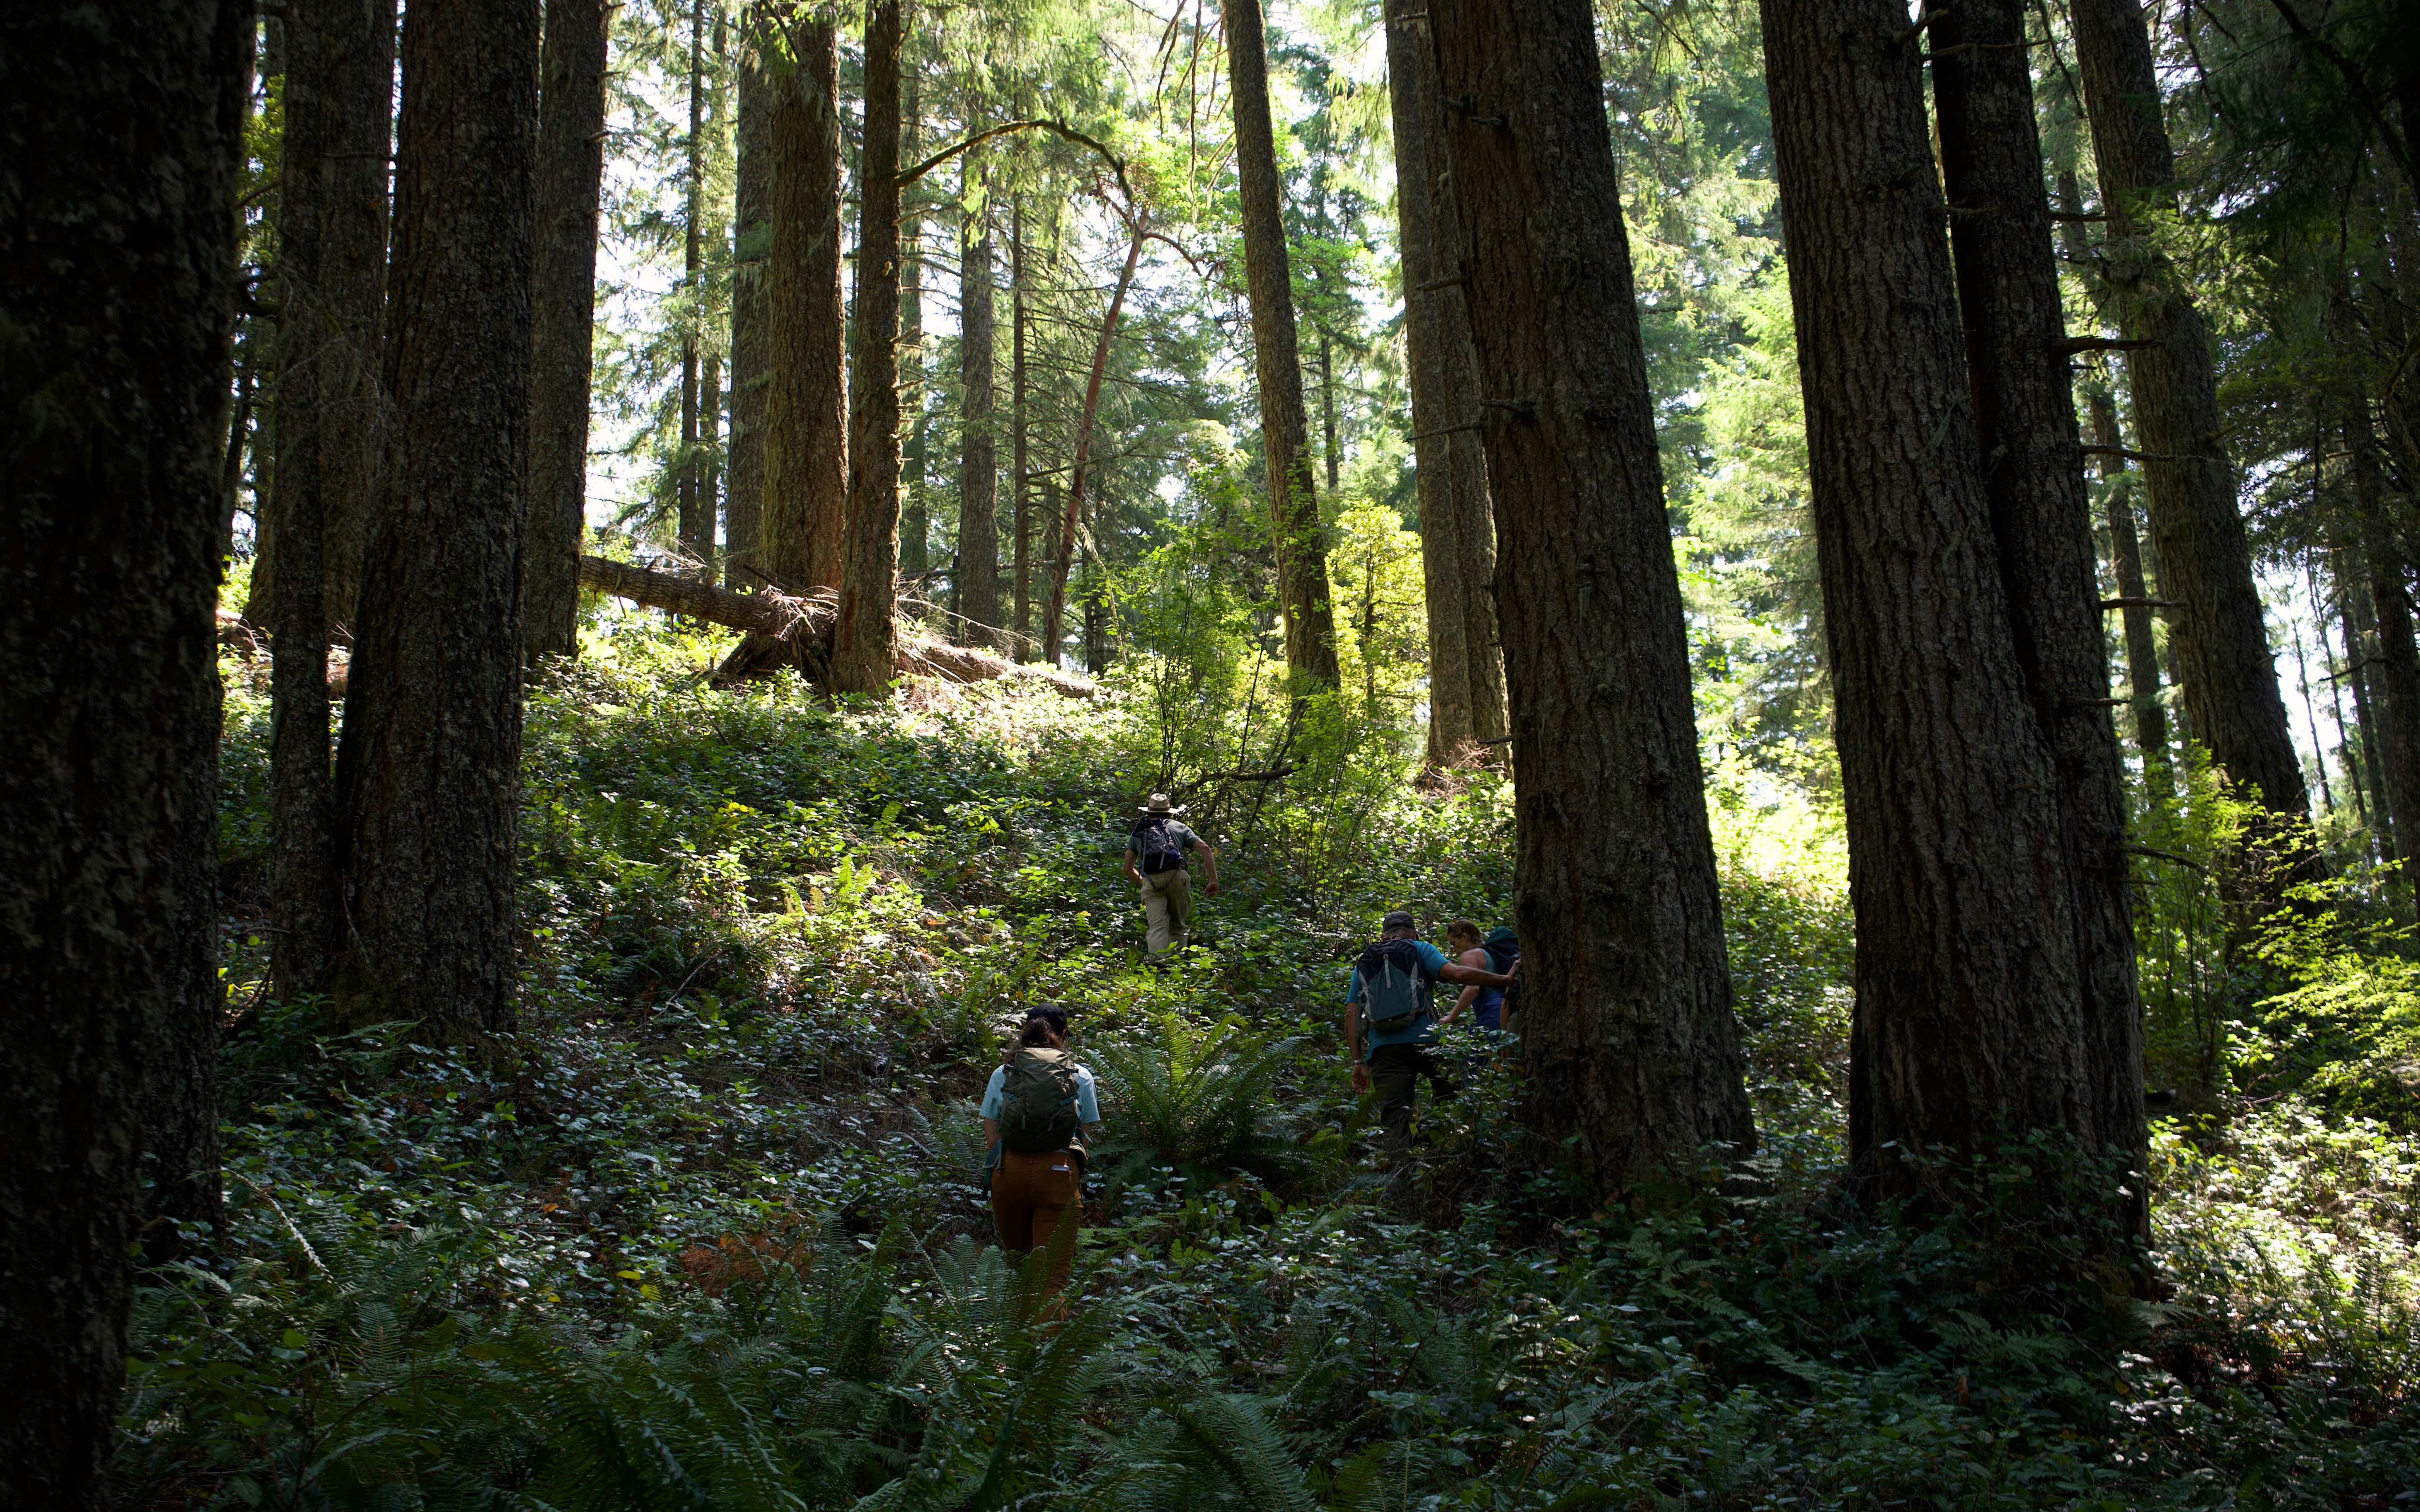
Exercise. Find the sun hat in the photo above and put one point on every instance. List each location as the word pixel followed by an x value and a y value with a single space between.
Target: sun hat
pixel 1398 919
pixel 1157 803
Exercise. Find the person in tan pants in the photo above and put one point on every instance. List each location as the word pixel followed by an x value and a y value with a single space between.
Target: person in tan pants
pixel 1156 849
pixel 1033 1192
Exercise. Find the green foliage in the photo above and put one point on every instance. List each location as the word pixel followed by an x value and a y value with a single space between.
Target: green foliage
pixel 1199 1097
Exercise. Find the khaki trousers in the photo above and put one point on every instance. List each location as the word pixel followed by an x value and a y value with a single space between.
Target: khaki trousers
pixel 1032 1195
pixel 1167 908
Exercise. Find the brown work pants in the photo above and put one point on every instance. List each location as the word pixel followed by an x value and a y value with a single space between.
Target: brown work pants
pixel 1030 1196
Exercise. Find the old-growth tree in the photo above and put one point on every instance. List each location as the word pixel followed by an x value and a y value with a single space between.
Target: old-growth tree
pixel 1277 360
pixel 751 232
pixel 806 406
pixel 428 777
pixel 978 459
pixel 863 639
pixel 1626 995
pixel 2231 700
pixel 2008 299
pixel 563 310
pixel 121 127
pixel 1965 1026
pixel 338 60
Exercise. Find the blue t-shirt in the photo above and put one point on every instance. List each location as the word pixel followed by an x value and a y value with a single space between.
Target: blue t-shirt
pixel 1088 1102
pixel 1422 1028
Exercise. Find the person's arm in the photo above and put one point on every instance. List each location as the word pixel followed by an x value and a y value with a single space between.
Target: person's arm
pixel 991 1131
pixel 1209 866
pixel 1353 1045
pixel 1132 875
pixel 1456 972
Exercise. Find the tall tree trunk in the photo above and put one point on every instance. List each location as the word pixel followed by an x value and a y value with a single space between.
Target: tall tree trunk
pixel 753 192
pixel 429 773
pixel 1295 529
pixel 693 521
pixel 915 512
pixel 320 38
pixel 1328 407
pixel 2125 546
pixel 1410 87
pixel 979 458
pixel 863 641
pixel 1054 555
pixel 118 277
pixel 2126 560
pixel 1626 996
pixel 2221 647
pixel 2397 661
pixel 352 282
pixel 563 313
pixel 2353 616
pixel 1019 485
pixel 1063 551
pixel 1965 1027
pixel 806 405
pixel 710 444
pixel 2008 298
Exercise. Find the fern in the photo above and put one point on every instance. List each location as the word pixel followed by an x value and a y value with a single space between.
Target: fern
pixel 1197 1098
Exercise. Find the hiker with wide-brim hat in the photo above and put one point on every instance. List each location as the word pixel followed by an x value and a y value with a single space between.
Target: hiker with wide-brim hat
pixel 1156 846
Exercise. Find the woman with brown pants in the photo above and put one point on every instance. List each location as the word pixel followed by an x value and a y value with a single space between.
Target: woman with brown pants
pixel 1038 1112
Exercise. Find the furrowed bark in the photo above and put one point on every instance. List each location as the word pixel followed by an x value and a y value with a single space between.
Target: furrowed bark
pixel 1022 647
pixel 694 520
pixel 1627 1028
pixel 123 135
pixel 2397 664
pixel 570 172
pixel 915 512
pixel 806 402
pixel 864 647
pixel 1965 1028
pixel 1294 529
pixel 2032 467
pixel 744 478
pixel 428 772
pixel 1432 413
pixel 2220 644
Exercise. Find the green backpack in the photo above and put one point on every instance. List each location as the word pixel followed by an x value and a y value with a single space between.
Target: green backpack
pixel 1037 1102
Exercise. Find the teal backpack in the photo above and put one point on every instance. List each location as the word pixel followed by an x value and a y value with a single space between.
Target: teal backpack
pixel 1394 991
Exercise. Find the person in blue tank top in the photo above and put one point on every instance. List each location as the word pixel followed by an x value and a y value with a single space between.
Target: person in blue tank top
pixel 1485 1005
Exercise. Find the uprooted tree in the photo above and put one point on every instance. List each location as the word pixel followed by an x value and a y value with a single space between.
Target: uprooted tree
pixel 794 630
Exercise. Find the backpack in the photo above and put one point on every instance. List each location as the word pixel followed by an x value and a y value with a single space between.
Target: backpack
pixel 1503 949
pixel 1155 840
pixel 1037 1102
pixel 1394 991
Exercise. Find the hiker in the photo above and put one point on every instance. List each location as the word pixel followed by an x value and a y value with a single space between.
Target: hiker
pixel 1488 1007
pixel 1156 850
pixel 1039 1111
pixel 1390 990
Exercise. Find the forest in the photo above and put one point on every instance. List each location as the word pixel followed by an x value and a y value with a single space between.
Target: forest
pixel 1510 755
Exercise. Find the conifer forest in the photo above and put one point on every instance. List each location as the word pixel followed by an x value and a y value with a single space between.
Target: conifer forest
pixel 1114 755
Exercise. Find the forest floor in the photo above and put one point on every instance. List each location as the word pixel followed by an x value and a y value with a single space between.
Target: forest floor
pixel 708 1232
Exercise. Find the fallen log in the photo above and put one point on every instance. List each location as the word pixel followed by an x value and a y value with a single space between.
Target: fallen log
pixel 782 627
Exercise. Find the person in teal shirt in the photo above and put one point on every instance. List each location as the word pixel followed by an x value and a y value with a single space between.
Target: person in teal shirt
pixel 1396 1057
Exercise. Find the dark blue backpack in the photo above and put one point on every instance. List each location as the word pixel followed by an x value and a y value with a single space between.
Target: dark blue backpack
pixel 1393 991
pixel 1155 842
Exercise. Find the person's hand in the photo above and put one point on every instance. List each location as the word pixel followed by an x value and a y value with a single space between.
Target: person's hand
pixel 1134 876
pixel 1514 972
pixel 1211 887
pixel 1360 1077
